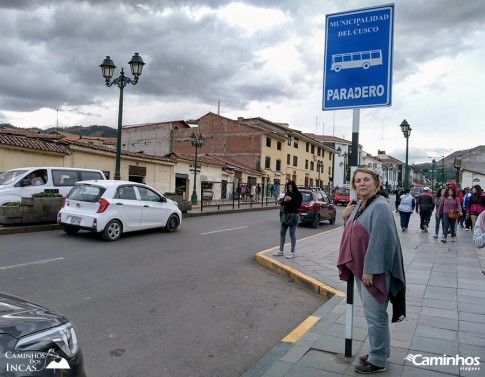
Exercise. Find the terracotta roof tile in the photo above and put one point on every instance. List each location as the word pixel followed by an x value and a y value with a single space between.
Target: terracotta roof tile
pixel 29 142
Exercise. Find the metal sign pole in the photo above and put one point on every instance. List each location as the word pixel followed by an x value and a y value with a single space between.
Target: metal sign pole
pixel 350 282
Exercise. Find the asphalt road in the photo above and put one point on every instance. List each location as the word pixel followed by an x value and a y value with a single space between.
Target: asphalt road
pixel 190 303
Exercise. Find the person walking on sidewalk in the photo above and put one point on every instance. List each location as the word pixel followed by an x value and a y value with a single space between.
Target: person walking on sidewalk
pixel 479 232
pixel 439 197
pixel 399 191
pixel 424 206
pixel 476 204
pixel 406 208
pixel 449 203
pixel 371 250
pixel 290 218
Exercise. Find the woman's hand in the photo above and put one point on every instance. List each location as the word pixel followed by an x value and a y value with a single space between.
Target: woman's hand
pixel 368 279
pixel 348 210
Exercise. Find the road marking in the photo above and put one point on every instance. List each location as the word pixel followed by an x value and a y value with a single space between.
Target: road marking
pixel 30 263
pixel 223 230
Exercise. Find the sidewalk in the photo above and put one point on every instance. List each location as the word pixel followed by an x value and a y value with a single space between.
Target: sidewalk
pixel 445 310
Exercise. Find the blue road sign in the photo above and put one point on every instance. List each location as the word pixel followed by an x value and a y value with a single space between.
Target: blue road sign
pixel 357 69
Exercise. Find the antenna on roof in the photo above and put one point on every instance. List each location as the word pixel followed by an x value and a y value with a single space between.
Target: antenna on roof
pixel 57 122
pixel 333 134
pixel 219 107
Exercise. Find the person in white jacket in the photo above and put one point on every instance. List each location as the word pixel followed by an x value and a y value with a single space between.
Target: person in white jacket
pixel 479 231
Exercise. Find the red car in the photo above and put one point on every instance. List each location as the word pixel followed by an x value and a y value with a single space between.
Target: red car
pixel 316 207
pixel 342 196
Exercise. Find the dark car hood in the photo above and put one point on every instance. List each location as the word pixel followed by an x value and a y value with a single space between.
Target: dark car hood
pixel 19 317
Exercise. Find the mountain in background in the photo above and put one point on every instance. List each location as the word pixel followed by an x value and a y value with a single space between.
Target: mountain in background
pixel 448 163
pixel 93 130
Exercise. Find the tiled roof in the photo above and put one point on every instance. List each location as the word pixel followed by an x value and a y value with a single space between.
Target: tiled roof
pixel 28 132
pixel 328 138
pixel 34 142
pixel 172 122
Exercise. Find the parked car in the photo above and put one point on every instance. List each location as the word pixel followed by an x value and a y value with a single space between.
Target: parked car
pixel 37 341
pixel 23 182
pixel 316 207
pixel 342 196
pixel 115 207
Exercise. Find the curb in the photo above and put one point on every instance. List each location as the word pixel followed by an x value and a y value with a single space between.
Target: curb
pixel 226 211
pixel 333 296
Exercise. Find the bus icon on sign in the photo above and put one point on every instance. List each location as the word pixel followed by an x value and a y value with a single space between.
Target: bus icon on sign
pixel 361 59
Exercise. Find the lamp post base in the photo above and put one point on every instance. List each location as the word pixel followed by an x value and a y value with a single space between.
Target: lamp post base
pixel 194 199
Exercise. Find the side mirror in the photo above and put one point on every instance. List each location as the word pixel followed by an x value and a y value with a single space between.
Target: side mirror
pixel 164 199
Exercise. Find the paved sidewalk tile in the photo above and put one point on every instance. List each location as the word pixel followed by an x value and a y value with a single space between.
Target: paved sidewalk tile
pixel 445 311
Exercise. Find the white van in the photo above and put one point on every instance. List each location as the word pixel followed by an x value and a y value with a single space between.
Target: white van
pixel 23 182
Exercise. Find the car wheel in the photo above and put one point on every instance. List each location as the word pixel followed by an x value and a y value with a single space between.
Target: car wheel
pixel 112 231
pixel 69 230
pixel 172 223
pixel 316 221
pixel 332 219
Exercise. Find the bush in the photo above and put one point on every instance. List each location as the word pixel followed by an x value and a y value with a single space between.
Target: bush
pixel 12 204
pixel 170 194
pixel 47 195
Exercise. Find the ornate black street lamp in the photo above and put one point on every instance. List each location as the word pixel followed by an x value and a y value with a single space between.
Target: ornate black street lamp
pixel 344 155
pixel 197 142
pixel 432 174
pixel 107 68
pixel 319 168
pixel 406 130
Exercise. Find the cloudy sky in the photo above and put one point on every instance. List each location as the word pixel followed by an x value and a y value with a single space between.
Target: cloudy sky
pixel 259 58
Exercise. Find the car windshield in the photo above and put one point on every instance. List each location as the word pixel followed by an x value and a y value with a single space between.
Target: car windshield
pixel 306 196
pixel 344 191
pixel 86 193
pixel 10 176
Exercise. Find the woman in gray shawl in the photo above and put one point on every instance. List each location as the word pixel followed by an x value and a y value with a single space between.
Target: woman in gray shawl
pixel 371 250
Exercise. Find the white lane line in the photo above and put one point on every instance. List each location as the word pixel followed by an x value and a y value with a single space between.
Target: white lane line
pixel 223 230
pixel 30 263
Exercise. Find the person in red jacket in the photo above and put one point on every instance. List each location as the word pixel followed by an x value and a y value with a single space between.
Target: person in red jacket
pixel 449 202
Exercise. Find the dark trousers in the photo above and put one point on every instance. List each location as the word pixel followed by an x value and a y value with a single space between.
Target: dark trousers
pixel 425 216
pixel 404 219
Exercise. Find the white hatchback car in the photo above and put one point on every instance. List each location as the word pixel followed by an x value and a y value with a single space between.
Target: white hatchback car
pixel 114 207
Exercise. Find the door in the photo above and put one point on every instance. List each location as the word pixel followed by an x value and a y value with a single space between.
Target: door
pixel 324 203
pixel 128 206
pixel 154 211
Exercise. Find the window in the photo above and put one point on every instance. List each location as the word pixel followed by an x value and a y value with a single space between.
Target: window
pixel 312 165
pixel 307 147
pixel 295 160
pixel 313 149
pixel 267 162
pixel 295 143
pixel 306 164
pixel 319 151
pixel 329 170
pixel 278 165
pixel 323 152
pixel 126 193
pixel 148 195
pixel 288 159
pixel 278 145
pixel 289 140
pixel 268 142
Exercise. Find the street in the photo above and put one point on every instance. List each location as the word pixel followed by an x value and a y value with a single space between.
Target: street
pixel 189 303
